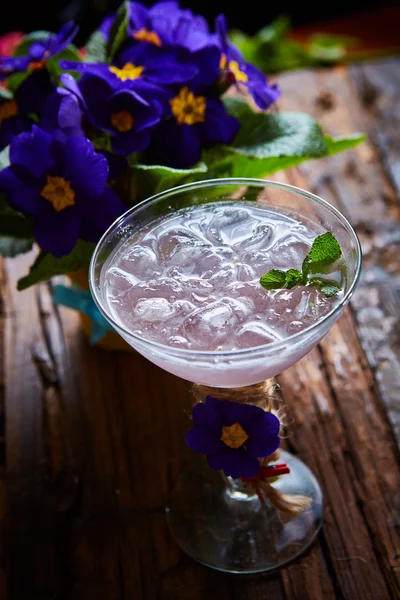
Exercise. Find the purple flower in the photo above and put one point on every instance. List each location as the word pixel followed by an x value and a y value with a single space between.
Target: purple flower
pixel 106 24
pixel 233 435
pixel 196 119
pixel 140 62
pixel 29 98
pixel 124 114
pixel 12 122
pixel 60 183
pixel 165 23
pixel 63 111
pixel 244 74
pixel 39 52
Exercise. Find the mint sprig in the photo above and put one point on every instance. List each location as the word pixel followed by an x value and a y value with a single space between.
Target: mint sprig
pixel 324 251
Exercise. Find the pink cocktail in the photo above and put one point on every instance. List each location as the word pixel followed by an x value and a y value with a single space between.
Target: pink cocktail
pixel 178 276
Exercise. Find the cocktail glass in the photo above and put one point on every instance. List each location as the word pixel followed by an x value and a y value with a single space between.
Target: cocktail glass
pixel 219 521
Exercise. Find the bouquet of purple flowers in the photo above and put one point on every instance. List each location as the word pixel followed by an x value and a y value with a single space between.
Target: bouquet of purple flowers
pixel 84 135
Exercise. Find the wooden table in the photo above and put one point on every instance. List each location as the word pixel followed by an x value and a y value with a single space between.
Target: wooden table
pixel 93 441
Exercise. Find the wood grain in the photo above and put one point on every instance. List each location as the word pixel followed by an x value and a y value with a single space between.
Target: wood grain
pixel 95 440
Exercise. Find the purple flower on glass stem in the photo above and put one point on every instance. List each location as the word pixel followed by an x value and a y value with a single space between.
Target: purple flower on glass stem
pixel 39 52
pixel 60 183
pixel 243 73
pixel 233 435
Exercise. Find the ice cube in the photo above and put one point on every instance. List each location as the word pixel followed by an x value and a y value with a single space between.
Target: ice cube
pixel 194 260
pixel 255 334
pixel 245 272
pixel 174 239
pixel 229 226
pixel 289 251
pixel 154 310
pixel 207 327
pixel 164 287
pixel 259 238
pixel 118 282
pixel 140 261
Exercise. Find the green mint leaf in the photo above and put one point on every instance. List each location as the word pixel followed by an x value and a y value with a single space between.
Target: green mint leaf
pixel 293 277
pixel 324 251
pixel 273 280
pixel 329 288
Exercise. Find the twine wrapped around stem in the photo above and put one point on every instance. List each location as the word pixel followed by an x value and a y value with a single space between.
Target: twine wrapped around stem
pixel 262 395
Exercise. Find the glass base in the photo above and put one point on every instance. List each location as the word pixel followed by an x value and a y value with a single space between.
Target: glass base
pixel 223 525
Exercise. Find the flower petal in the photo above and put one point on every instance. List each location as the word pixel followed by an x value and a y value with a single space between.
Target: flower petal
pixel 236 463
pixel 32 150
pixel 208 413
pixel 176 145
pixel 203 439
pixel 57 232
pixel 97 215
pixel 239 412
pixel 22 196
pixel 263 432
pixel 85 168
pixel 219 126
pixel 127 143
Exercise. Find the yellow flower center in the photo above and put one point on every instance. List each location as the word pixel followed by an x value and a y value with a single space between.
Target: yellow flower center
pixel 187 108
pixel 7 110
pixel 122 121
pixel 37 65
pixel 234 435
pixel 144 35
pixel 128 71
pixel 58 191
pixel 233 67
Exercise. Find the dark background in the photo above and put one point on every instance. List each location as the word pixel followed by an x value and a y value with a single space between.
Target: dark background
pixel 247 15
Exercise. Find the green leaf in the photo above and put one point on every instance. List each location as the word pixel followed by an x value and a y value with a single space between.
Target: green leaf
pixel 5 158
pixel 119 29
pixel 16 231
pixel 324 251
pixel 96 48
pixel 46 265
pixel 329 288
pixel 339 144
pixel 274 135
pixel 13 224
pixel 274 31
pixel 14 81
pixel 10 247
pixel 328 48
pixel 293 277
pixel 28 39
pixel 273 280
pixel 157 178
pixel 5 94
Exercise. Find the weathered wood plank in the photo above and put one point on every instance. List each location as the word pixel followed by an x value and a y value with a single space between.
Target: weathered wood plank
pixel 363 184
pixel 95 440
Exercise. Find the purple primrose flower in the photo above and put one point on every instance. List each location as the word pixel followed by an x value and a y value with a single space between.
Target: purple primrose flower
pixel 39 52
pixel 195 120
pixel 244 74
pixel 166 23
pixel 233 435
pixel 140 62
pixel 60 183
